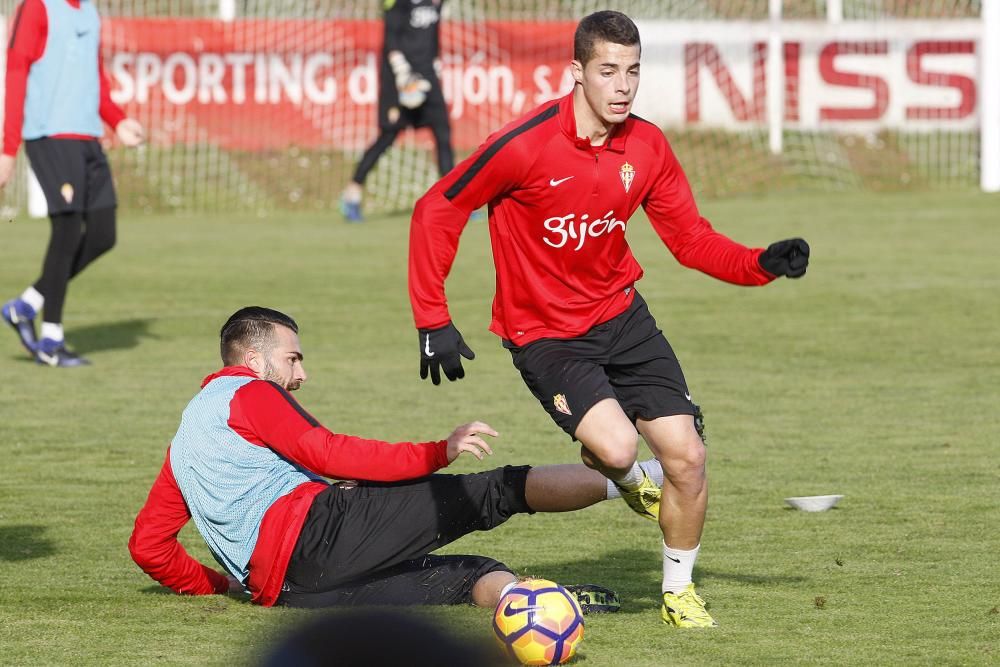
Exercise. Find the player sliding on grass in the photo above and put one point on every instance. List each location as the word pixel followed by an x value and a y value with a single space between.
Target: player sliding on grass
pixel 561 184
pixel 247 464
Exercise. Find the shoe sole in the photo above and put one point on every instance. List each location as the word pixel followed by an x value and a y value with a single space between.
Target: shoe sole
pixel 595 599
pixel 58 361
pixel 644 513
pixel 74 363
pixel 668 619
pixel 690 627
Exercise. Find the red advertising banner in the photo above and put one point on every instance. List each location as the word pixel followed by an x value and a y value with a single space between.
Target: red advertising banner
pixel 268 83
pixel 261 84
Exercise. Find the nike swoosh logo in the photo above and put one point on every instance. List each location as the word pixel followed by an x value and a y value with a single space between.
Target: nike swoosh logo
pixel 509 610
pixel 81 34
pixel 553 182
pixel 427 346
pixel 676 560
pixel 687 396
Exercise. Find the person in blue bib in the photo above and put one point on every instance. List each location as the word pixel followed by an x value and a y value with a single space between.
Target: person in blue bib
pixel 58 98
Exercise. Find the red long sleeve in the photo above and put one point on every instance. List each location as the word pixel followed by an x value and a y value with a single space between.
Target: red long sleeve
pixel 440 216
pixel 265 414
pixel 434 233
pixel 26 45
pixel 672 211
pixel 154 546
pixel 110 113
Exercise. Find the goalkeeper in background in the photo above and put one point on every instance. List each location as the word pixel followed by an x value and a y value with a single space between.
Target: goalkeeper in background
pixel 57 99
pixel 410 92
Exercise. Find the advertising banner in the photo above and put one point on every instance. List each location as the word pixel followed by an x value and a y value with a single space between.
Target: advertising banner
pixel 274 83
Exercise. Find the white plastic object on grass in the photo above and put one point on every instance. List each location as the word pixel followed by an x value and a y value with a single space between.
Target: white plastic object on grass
pixel 813 503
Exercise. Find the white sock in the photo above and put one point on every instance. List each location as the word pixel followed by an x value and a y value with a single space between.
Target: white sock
pixel 52 331
pixel 653 470
pixel 506 589
pixel 678 565
pixel 632 479
pixel 33 298
pixel 353 195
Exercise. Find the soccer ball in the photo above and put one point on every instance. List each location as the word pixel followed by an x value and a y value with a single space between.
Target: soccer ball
pixel 538 622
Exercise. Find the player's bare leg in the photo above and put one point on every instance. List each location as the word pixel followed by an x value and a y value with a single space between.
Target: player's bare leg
pixel 610 444
pixel 490 587
pixel 593 599
pixel 561 488
pixel 676 443
pixel 610 441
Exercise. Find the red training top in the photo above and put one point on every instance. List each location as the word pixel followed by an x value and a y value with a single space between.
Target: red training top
pixel 557 214
pixel 265 415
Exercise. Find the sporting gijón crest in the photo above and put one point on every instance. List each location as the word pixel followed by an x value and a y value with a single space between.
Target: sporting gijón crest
pixel 627 174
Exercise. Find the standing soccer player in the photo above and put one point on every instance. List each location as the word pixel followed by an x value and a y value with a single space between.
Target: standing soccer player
pixel 410 92
pixel 562 182
pixel 57 96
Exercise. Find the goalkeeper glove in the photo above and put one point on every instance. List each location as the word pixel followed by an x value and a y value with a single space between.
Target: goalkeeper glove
pixel 443 348
pixel 412 87
pixel 414 92
pixel 786 258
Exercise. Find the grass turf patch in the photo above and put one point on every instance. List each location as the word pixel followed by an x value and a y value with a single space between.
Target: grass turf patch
pixel 875 377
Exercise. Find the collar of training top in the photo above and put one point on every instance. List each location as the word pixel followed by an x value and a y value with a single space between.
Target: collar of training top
pixel 229 371
pixel 567 121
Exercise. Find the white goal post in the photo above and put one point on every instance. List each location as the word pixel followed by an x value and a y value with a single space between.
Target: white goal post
pixel 990 85
pixel 263 105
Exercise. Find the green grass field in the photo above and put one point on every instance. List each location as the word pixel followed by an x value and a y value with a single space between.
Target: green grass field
pixel 877 376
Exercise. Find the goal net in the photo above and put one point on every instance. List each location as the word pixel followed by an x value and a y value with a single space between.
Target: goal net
pixel 264 105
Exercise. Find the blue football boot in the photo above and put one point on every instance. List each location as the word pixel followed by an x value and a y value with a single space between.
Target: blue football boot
pixel 54 353
pixel 351 210
pixel 21 317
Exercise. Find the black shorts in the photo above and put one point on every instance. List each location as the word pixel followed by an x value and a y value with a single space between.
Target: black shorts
pixel 74 174
pixel 369 545
pixel 626 358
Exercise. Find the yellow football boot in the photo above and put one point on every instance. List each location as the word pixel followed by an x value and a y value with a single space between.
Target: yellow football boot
pixel 686 610
pixel 645 500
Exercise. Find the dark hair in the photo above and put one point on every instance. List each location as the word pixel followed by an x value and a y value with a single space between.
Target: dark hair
pixel 603 26
pixel 250 327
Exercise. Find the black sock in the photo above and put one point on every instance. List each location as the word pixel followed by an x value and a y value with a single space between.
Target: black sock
pixel 64 243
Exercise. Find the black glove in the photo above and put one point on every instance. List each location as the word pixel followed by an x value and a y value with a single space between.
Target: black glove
pixel 440 348
pixel 786 258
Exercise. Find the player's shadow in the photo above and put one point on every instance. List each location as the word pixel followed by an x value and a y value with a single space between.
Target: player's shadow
pixel 211 605
pixel 752 579
pixel 642 574
pixel 110 335
pixel 163 590
pixel 25 542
